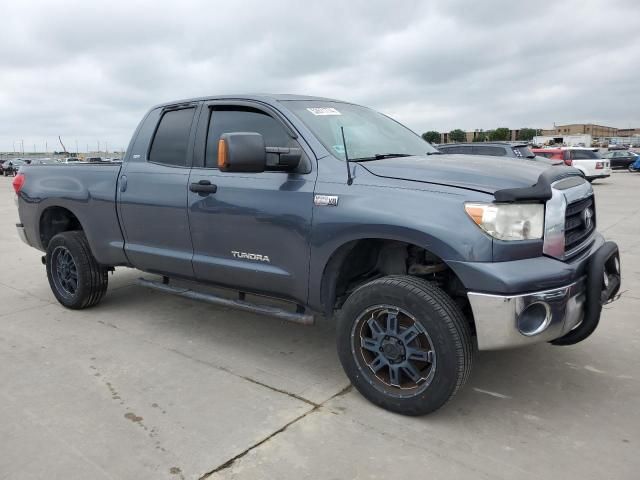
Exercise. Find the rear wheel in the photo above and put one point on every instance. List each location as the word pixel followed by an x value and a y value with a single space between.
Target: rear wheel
pixel 76 279
pixel 404 344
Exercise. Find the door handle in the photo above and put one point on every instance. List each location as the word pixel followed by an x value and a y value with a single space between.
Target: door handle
pixel 203 186
pixel 123 183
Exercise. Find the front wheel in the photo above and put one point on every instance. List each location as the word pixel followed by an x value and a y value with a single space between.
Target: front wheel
pixel 404 344
pixel 76 279
pixel 631 169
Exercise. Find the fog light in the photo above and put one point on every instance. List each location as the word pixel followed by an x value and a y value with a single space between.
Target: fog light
pixel 606 280
pixel 534 319
pixel 616 264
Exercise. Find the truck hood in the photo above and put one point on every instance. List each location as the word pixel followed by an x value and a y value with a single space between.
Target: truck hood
pixel 474 172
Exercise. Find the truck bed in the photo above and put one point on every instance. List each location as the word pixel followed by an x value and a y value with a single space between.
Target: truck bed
pixel 88 192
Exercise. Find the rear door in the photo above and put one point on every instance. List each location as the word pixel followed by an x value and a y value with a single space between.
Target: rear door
pixel 152 192
pixel 253 231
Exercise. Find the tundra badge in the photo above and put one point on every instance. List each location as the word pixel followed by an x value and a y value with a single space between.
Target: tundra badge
pixel 250 256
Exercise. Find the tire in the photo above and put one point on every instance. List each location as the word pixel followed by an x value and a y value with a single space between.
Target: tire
pixel 379 364
pixel 69 257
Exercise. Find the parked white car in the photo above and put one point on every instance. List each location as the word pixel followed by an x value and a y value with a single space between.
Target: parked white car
pixel 589 162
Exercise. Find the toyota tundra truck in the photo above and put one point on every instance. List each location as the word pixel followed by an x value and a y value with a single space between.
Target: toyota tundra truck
pixel 335 211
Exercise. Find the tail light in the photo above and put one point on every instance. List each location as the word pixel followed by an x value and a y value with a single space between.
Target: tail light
pixel 18 182
pixel 599 165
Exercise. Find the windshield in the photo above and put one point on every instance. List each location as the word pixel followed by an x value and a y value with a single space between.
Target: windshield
pixel 367 133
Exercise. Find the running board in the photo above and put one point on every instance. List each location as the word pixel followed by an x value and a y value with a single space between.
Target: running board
pixel 295 317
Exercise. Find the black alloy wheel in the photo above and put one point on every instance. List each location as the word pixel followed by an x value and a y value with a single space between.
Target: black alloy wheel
pixel 396 349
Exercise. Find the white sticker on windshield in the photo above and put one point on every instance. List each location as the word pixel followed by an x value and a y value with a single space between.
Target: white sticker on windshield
pixel 324 111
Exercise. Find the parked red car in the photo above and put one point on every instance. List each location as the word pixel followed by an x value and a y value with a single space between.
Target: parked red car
pixel 553 154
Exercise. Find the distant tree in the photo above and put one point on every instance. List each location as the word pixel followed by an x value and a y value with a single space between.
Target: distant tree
pixel 526 134
pixel 457 135
pixel 431 136
pixel 500 134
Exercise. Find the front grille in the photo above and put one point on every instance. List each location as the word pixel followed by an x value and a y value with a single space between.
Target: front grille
pixel 579 225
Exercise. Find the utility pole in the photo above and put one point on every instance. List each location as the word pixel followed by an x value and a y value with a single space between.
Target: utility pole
pixel 76 148
pixel 98 146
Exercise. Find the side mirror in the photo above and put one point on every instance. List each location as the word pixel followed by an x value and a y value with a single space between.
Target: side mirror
pixel 245 152
pixel 241 152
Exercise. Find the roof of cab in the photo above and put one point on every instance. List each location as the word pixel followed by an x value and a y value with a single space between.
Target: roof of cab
pixel 260 97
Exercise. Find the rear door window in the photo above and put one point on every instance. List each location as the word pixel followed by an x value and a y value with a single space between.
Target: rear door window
pixel 171 141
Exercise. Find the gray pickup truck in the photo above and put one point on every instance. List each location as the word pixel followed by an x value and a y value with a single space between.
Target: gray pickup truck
pixel 334 210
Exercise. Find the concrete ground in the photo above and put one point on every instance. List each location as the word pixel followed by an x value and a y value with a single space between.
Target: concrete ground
pixel 150 386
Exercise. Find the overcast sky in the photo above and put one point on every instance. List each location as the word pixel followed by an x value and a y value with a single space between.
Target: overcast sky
pixel 88 70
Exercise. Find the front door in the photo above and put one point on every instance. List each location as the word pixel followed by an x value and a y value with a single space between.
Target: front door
pixel 253 232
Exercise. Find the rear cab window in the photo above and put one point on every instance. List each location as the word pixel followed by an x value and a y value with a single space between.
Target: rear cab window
pixel 492 151
pixel 455 149
pixel 584 155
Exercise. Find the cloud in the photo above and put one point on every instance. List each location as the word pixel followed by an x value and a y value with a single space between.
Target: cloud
pixel 89 70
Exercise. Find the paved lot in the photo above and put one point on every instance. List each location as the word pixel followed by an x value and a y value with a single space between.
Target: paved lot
pixel 150 386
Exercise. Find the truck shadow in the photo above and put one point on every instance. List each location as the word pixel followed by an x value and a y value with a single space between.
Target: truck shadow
pixel 302 361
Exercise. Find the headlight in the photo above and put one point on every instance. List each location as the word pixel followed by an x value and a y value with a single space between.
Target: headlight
pixel 508 221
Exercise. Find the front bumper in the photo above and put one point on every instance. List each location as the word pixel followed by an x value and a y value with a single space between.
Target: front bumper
pixel 500 319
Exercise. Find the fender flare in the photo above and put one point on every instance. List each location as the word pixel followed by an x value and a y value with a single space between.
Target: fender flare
pixel 324 270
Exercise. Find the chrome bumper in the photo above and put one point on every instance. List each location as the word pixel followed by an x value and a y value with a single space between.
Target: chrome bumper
pixel 496 316
pixel 21 233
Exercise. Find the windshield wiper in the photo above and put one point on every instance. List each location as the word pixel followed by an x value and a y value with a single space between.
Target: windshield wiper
pixel 380 156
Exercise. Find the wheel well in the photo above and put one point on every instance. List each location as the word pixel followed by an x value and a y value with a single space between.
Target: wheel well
pixel 360 261
pixel 55 220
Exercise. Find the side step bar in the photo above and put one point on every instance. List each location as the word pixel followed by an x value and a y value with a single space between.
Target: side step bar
pixel 295 317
